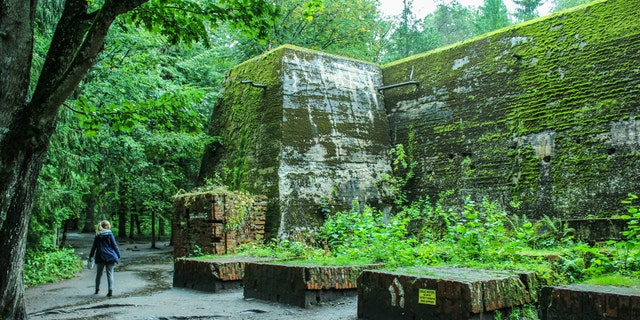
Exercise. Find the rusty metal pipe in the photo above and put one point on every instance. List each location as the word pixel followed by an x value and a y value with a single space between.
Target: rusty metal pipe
pixel 380 89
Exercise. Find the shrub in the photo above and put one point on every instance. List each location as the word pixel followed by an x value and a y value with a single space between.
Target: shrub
pixel 49 265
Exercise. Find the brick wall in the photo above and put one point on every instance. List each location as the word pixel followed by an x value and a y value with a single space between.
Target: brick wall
pixel 210 221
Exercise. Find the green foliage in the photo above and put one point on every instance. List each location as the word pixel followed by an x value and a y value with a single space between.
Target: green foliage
pixel 628 250
pixel 141 83
pixel 184 21
pixel 526 9
pixel 491 15
pixel 477 232
pixel 453 22
pixel 366 235
pixel 420 234
pixel 615 280
pixel 632 234
pixel 543 233
pixel 131 137
pixel 526 312
pixel 283 250
pixel 479 235
pixel 49 265
pixel 565 4
pixel 64 179
pixel 403 166
pixel 196 252
pixel 581 261
pixel 345 27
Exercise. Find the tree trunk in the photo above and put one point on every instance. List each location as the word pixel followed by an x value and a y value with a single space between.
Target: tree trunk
pixel 89 212
pixel 132 218
pixel 161 227
pixel 138 227
pixel 153 229
pixel 65 230
pixel 22 149
pixel 122 218
pixel 26 125
pixel 18 187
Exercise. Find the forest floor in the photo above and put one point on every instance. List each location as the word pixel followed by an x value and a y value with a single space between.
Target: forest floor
pixel 143 290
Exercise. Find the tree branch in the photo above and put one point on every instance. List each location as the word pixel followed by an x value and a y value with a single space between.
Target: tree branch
pixel 79 36
pixel 74 110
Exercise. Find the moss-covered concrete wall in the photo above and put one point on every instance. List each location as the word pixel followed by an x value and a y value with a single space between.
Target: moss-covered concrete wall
pixel 335 137
pixel 541 116
pixel 316 138
pixel 247 119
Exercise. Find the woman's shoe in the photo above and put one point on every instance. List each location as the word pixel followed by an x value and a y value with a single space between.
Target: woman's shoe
pixel 97 290
pixel 109 294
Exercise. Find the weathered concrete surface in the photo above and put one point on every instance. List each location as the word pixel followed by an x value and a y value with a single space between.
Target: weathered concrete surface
pixel 588 302
pixel 442 293
pixel 335 137
pixel 211 274
pixel 594 230
pixel 315 138
pixel 543 114
pixel 301 285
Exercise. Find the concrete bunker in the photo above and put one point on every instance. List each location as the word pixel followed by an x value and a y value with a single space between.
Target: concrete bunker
pixel 553 132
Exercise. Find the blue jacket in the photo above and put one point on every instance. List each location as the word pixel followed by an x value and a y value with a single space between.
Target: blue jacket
pixel 105 248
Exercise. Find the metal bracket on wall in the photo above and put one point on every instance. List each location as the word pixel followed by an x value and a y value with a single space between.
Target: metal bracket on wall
pixel 257 85
pixel 380 89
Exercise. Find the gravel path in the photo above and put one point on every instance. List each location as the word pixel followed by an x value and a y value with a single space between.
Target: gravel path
pixel 143 290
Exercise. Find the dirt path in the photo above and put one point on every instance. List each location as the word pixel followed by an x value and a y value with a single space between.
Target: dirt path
pixel 143 290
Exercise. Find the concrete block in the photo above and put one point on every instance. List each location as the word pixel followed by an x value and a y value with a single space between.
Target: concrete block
pixel 589 302
pixel 442 293
pixel 211 275
pixel 301 285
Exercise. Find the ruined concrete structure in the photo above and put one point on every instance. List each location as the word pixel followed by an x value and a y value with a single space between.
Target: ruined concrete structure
pixel 541 117
pixel 306 129
pixel 589 302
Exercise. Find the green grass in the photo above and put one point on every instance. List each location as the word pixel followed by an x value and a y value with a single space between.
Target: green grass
pixel 615 280
pixel 330 261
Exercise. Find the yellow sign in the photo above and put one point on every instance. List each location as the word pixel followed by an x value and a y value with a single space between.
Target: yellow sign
pixel 426 296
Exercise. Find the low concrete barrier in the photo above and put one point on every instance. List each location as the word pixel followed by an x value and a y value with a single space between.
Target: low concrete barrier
pixel 442 293
pixel 589 302
pixel 213 274
pixel 301 285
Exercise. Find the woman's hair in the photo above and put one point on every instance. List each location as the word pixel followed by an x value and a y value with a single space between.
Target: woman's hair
pixel 103 225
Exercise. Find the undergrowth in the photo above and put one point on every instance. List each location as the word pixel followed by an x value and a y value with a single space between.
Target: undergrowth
pixel 50 265
pixel 481 235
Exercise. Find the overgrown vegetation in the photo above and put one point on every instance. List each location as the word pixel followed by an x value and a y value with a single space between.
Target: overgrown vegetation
pixel 481 235
pixel 49 265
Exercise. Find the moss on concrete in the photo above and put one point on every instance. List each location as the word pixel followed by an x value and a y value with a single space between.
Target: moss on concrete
pixel 572 74
pixel 541 114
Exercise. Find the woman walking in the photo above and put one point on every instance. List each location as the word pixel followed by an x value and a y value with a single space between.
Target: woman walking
pixel 106 252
